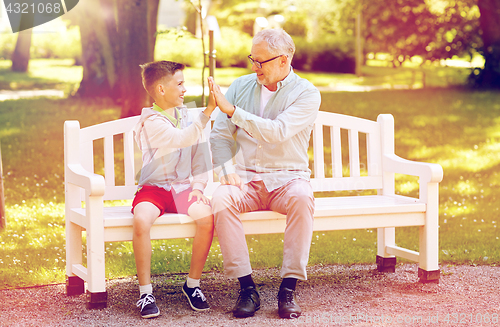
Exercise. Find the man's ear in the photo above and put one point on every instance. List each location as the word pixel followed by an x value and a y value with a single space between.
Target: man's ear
pixel 283 60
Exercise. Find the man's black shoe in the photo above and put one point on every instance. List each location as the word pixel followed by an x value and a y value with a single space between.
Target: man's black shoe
pixel 248 302
pixel 287 308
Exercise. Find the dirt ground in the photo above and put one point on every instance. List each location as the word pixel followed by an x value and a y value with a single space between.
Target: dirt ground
pixel 332 296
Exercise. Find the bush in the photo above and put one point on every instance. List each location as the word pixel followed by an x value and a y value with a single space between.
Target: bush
pixel 179 46
pixel 296 24
pixel 327 54
pixel 60 45
pixel 233 48
pixel 7 44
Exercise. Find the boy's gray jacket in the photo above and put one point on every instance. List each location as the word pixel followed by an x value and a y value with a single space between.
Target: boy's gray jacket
pixel 173 157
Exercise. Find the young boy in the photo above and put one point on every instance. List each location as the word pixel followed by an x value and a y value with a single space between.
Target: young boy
pixel 171 153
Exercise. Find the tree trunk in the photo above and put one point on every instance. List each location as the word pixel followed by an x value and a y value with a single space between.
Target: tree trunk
pixel 114 44
pixel 99 49
pixel 490 25
pixel 152 24
pixel 134 38
pixel 21 54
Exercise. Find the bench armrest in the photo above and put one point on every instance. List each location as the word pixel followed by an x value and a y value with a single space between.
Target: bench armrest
pixel 92 183
pixel 428 172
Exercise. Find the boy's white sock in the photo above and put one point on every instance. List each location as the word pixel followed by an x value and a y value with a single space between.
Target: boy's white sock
pixel 192 283
pixel 146 289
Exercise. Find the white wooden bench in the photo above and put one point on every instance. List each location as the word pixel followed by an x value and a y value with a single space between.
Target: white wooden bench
pixel 86 192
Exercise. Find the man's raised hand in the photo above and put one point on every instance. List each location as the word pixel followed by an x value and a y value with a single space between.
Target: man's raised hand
pixel 224 105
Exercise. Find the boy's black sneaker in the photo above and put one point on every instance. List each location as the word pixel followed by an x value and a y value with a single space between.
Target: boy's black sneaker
pixel 148 306
pixel 196 299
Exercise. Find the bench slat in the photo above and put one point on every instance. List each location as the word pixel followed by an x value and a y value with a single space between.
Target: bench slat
pixel 336 149
pixel 354 168
pixel 109 161
pixel 338 213
pixel 346 183
pixel 318 152
pixel 128 156
pixel 325 207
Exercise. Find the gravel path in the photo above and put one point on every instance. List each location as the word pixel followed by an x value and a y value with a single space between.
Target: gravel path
pixel 333 296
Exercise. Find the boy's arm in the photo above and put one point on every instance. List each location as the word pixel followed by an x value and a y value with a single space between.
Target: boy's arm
pixel 161 134
pixel 200 164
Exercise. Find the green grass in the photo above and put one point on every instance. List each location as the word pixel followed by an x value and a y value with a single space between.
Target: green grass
pixel 456 128
pixel 59 74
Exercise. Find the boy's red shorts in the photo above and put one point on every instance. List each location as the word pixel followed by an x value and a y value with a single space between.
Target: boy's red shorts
pixel 166 201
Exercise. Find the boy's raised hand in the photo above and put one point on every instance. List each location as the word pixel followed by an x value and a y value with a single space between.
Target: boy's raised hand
pixel 212 103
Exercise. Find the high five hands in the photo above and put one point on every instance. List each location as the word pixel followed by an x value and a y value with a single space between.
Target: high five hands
pixel 219 98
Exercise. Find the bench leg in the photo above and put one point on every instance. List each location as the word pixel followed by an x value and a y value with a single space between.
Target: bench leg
pixel 74 285
pixel 97 300
pixel 96 275
pixel 385 261
pixel 386 265
pixel 431 276
pixel 428 270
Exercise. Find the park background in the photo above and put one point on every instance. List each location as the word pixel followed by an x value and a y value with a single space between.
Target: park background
pixel 433 64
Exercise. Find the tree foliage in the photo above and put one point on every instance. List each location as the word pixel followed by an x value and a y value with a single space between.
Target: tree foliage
pixel 406 28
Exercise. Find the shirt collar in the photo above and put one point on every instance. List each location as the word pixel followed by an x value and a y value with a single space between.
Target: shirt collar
pixel 176 121
pixel 287 79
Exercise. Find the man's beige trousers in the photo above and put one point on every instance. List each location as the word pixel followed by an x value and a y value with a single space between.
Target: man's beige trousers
pixel 295 200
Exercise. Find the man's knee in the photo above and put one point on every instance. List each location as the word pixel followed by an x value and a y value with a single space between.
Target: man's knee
pixel 301 192
pixel 224 197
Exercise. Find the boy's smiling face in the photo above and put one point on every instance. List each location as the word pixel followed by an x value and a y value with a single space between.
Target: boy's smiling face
pixel 170 91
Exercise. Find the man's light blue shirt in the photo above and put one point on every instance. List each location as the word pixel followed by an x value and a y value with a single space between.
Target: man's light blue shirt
pixel 273 146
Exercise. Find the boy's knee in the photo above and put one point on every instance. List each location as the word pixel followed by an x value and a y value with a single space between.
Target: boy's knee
pixel 140 226
pixel 200 211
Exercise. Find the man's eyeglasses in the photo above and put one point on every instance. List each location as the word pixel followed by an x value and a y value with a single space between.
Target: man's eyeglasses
pixel 259 63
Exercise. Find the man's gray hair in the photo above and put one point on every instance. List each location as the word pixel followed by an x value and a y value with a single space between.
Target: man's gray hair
pixel 278 42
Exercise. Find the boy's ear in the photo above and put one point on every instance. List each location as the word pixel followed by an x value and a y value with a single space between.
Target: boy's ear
pixel 159 89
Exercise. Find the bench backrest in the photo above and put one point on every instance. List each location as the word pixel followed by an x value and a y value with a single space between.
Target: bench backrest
pixel 347 153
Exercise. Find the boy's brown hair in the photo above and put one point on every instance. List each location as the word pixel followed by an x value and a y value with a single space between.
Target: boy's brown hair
pixel 153 72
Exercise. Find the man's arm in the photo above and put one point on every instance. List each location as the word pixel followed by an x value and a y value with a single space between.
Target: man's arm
pixel 222 142
pixel 287 124
pixel 302 112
